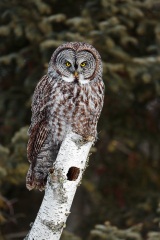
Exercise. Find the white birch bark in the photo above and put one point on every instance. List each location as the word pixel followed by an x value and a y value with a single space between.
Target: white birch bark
pixel 60 191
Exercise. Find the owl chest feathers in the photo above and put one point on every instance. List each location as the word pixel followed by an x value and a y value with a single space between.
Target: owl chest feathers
pixel 72 106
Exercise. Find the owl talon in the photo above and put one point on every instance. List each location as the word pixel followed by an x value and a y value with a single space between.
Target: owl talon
pixel 84 140
pixel 88 139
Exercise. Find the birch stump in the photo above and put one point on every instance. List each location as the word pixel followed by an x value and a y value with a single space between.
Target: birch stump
pixel 60 189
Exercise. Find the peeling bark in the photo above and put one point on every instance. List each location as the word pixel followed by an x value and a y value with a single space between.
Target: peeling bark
pixel 60 189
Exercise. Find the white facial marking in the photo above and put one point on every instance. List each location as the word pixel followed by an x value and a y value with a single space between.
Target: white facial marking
pixel 82 80
pixel 71 78
pixel 68 79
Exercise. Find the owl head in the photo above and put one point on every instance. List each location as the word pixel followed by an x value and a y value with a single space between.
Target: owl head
pixel 76 62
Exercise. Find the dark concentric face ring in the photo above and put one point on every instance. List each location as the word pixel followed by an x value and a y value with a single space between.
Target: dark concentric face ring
pixel 68 61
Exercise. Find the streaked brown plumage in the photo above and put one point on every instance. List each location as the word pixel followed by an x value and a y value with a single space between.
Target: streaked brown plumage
pixel 70 96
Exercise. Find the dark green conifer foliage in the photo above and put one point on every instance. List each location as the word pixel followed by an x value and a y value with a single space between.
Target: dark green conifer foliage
pixel 122 182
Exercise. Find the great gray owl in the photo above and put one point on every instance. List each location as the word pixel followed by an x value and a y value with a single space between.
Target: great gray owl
pixel 69 96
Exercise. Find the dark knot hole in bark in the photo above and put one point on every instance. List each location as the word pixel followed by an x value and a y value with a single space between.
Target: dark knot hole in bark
pixel 73 173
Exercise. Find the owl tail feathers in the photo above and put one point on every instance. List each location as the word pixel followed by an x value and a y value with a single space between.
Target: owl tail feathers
pixel 35 180
pixel 30 179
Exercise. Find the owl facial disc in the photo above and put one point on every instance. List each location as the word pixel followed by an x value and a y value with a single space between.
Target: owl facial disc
pixel 75 66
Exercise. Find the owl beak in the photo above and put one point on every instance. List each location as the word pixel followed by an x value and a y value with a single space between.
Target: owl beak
pixel 76 74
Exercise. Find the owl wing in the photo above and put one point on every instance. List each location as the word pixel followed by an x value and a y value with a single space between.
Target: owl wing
pixel 99 89
pixel 100 92
pixel 38 130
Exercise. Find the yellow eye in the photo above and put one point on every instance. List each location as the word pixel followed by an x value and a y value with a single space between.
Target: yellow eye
pixel 83 64
pixel 68 64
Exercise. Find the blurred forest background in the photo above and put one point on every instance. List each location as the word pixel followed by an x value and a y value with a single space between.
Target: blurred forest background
pixel 120 193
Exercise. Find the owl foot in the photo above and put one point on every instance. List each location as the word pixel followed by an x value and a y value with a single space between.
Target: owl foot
pixel 83 140
pixel 88 138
